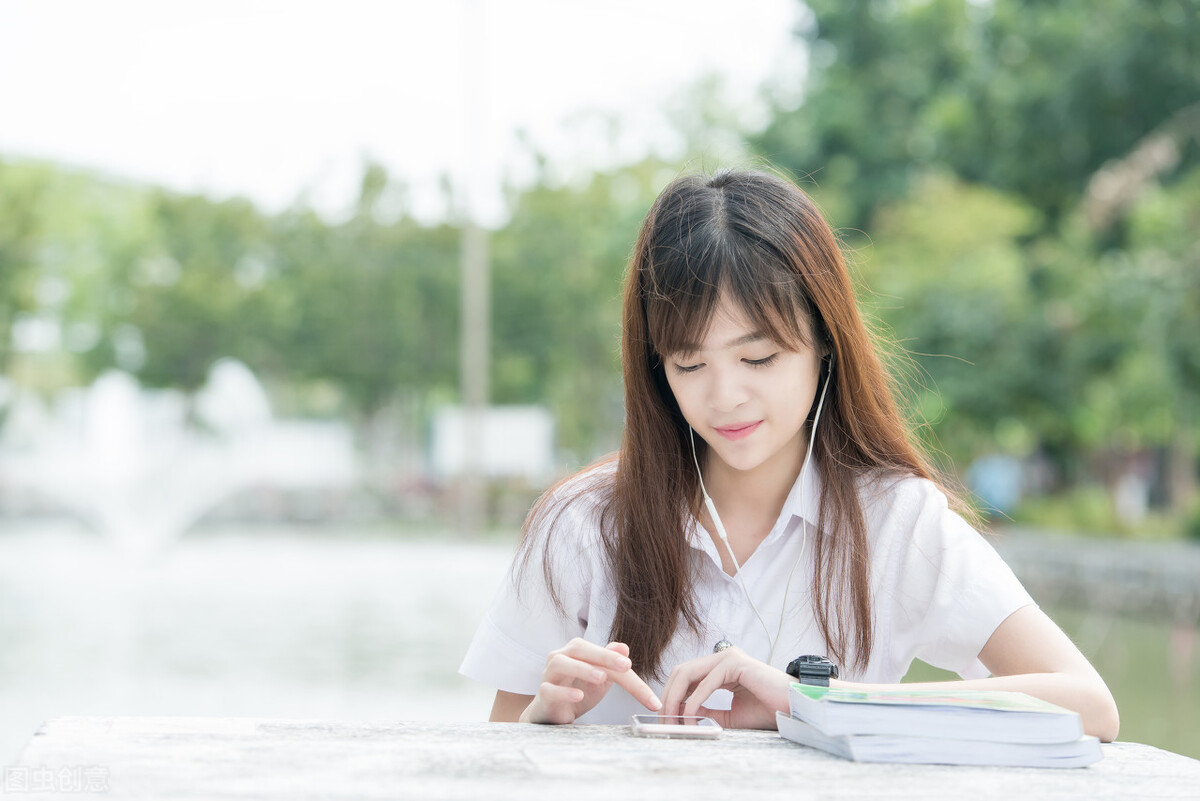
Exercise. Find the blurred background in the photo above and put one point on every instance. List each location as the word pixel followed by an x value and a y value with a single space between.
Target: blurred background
pixel 303 304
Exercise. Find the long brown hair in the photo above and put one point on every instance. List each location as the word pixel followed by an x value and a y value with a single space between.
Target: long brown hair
pixel 760 241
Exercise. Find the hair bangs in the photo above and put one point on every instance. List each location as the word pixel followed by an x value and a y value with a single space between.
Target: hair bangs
pixel 684 290
pixel 678 319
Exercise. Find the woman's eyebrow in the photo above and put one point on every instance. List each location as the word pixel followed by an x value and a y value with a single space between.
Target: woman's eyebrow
pixel 744 339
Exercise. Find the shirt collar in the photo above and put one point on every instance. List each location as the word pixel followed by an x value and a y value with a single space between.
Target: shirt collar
pixel 803 501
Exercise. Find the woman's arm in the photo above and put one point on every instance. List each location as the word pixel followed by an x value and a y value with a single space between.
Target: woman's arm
pixel 507 707
pixel 1026 653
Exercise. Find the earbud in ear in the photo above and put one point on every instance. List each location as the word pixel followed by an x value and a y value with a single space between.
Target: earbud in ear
pixel 827 347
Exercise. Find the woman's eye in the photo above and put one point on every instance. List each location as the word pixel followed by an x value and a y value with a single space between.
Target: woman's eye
pixel 762 362
pixel 687 368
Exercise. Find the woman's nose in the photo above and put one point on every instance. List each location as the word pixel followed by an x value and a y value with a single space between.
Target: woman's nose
pixel 726 392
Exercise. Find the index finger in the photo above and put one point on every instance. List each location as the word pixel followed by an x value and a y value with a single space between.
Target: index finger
pixel 606 657
pixel 683 678
pixel 633 684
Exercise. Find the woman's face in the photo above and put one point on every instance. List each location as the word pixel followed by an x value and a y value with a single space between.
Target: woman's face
pixel 746 395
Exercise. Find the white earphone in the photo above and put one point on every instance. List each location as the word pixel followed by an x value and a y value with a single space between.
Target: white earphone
pixel 724 536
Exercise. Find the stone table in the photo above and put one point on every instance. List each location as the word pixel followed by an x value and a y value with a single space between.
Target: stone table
pixel 246 758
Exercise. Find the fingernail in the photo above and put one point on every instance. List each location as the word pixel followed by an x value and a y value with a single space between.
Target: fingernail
pixel 599 675
pixel 657 705
pixel 624 663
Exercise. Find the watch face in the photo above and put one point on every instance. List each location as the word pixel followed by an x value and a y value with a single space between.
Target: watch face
pixel 811 669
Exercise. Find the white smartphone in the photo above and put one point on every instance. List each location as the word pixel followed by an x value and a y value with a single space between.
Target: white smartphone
pixel 674 726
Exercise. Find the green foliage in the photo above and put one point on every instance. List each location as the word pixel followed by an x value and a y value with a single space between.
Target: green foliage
pixel 61 236
pixel 22 192
pixel 966 140
pixel 867 113
pixel 191 289
pixel 358 318
pixel 1083 510
pixel 946 275
pixel 557 269
pixel 370 307
pixel 1029 98
pixel 1191 526
pixel 957 146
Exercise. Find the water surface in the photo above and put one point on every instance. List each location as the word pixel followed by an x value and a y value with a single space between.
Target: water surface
pixel 246 623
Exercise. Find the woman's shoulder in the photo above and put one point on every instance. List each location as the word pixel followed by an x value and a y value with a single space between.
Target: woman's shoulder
pixel 576 506
pixel 588 488
pixel 900 498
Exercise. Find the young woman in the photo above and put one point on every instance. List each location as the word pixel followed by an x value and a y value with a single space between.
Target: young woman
pixel 767 503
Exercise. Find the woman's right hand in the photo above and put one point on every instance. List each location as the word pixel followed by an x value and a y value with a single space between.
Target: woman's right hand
pixel 578 675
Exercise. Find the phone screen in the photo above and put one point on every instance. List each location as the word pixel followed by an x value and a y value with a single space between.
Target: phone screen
pixel 674 726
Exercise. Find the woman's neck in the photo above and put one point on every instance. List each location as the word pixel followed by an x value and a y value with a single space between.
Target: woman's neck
pixel 764 488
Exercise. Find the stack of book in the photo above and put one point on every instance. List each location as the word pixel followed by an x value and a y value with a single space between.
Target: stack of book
pixel 967 727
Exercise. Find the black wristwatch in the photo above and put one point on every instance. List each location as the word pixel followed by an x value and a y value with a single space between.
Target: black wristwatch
pixel 809 669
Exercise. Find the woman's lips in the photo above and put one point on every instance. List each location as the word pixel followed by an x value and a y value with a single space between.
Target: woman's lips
pixel 740 431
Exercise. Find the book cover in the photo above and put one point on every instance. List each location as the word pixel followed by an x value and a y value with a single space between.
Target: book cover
pixel 991 716
pixel 942 751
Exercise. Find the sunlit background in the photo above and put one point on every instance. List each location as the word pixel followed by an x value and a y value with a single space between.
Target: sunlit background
pixel 302 305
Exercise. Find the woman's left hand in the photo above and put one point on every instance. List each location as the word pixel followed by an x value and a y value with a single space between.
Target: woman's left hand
pixel 759 690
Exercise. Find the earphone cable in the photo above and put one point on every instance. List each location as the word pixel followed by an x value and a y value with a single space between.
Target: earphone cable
pixel 724 536
pixel 803 523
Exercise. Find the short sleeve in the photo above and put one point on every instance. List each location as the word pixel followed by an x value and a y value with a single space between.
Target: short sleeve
pixel 941 589
pixel 523 624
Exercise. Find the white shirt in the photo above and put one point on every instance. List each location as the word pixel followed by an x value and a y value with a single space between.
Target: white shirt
pixel 938 592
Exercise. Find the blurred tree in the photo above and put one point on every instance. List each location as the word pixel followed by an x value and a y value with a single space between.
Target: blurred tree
pixel 1031 98
pixel 23 189
pixel 1140 306
pixel 557 269
pixel 886 81
pixel 75 226
pixel 946 271
pixel 369 306
pixel 177 300
pixel 1081 118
